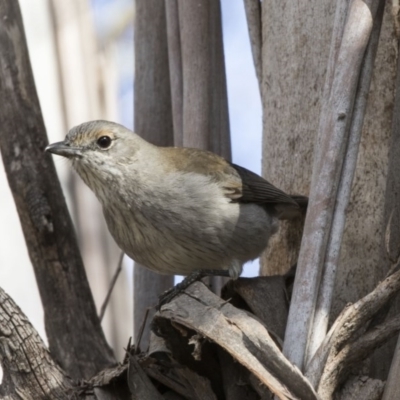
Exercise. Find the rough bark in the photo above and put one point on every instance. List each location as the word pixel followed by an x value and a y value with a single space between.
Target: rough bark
pixel 353 353
pixel 295 50
pixel 362 387
pixel 153 121
pixel 206 348
pixel 29 371
pixel 294 59
pixel 391 239
pixel 348 326
pixel 362 259
pixel 72 326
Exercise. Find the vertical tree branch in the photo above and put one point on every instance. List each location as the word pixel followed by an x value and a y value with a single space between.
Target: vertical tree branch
pixel 220 141
pixel 335 122
pixel 72 325
pixel 205 101
pixel 325 295
pixel 194 18
pixel 253 17
pixel 153 121
pixel 175 68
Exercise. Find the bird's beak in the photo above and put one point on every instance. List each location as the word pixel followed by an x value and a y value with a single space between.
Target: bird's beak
pixel 64 149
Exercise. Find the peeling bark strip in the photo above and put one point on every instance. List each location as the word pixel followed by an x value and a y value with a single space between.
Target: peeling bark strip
pixel 335 122
pixel 331 262
pixel 241 335
pixel 29 371
pixel 72 326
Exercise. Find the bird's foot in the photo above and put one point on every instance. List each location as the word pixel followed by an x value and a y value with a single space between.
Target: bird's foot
pixel 195 276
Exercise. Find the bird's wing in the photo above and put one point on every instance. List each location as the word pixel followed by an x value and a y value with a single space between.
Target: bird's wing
pixel 239 184
pixel 256 189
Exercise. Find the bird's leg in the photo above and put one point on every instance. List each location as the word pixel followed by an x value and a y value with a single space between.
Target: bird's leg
pixel 195 276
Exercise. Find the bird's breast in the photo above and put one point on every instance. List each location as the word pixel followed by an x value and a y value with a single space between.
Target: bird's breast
pixel 185 223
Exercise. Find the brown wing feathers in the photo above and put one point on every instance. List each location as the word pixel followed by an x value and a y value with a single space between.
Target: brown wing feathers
pixel 256 189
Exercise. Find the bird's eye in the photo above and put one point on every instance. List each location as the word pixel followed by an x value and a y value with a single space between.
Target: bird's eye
pixel 104 142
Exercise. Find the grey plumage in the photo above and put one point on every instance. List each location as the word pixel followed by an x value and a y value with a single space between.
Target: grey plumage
pixel 175 210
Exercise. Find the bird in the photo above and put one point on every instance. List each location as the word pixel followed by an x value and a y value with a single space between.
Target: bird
pixel 176 210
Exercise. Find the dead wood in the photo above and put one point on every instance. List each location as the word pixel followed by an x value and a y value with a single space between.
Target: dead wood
pixel 347 326
pixel 31 373
pixel 179 378
pixel 362 387
pixel 353 353
pixel 29 370
pixel 239 334
pixel 140 384
pixel 236 379
pixel 266 297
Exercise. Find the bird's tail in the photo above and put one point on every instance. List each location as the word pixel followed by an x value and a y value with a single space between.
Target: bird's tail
pixel 289 210
pixel 302 201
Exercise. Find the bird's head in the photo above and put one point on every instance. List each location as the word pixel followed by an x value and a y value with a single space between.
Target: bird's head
pixel 99 150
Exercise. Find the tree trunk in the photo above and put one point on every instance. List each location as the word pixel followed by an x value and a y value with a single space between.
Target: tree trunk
pixel 295 50
pixel 295 47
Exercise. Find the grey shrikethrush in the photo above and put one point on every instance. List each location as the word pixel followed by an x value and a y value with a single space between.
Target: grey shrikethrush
pixel 176 210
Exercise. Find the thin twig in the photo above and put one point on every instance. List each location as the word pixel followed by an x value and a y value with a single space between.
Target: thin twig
pixel 114 280
pixel 139 337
